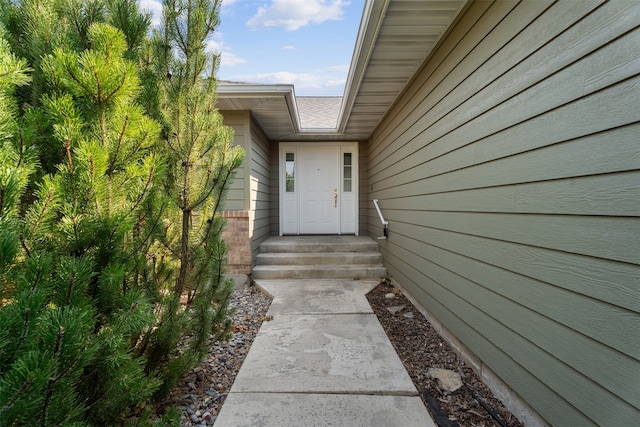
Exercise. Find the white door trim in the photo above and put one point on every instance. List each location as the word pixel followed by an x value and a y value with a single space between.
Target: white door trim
pixel 347 195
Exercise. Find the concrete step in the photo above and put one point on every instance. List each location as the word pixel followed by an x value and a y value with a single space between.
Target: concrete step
pixel 351 272
pixel 318 244
pixel 319 258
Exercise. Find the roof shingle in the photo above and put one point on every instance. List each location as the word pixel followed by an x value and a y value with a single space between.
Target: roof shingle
pixel 318 112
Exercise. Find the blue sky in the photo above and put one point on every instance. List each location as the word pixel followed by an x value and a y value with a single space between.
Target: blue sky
pixel 308 43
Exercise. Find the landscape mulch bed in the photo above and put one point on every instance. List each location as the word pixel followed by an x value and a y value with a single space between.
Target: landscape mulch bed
pixel 421 348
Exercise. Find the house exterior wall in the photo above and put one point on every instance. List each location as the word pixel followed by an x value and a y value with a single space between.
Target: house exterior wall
pixel 238 195
pixel 237 208
pixel 261 188
pixel 365 202
pixel 509 171
pixel 275 188
pixel 249 206
pixel 235 235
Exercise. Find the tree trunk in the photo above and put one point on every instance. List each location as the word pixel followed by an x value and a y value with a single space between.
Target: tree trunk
pixel 184 252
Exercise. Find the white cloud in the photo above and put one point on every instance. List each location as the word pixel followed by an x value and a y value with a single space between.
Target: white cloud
pixel 344 69
pixel 230 59
pixel 315 82
pixel 294 14
pixel 155 8
pixel 227 57
pixel 288 47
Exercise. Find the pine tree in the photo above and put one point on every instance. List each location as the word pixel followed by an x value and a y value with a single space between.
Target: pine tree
pixel 41 344
pixel 201 164
pixel 75 308
pixel 110 251
pixel 36 28
pixel 16 164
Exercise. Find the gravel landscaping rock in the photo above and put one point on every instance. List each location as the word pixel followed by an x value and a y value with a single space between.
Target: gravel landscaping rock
pixel 201 393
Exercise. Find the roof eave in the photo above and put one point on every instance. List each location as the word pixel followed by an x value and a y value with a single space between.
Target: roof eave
pixel 258 91
pixel 370 24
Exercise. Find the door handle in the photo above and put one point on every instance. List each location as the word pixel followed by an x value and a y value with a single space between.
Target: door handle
pixel 335 197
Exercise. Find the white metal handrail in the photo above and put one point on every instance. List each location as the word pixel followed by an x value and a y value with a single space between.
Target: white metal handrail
pixel 385 223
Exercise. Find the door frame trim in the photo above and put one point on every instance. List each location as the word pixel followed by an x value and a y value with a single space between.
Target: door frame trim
pixel 284 147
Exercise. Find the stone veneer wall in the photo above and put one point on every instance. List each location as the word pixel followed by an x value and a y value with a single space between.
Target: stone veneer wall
pixel 236 235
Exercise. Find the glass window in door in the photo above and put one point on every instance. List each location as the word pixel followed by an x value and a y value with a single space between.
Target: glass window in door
pixel 347 172
pixel 289 170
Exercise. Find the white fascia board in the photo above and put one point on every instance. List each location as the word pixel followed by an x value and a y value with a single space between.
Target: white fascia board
pixel 254 90
pixel 370 24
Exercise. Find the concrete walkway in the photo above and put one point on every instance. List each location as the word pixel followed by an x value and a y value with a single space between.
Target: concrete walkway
pixel 324 360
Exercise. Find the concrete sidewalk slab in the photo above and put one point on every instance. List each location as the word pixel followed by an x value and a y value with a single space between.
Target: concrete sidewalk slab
pixel 321 410
pixel 318 296
pixel 336 353
pixel 324 360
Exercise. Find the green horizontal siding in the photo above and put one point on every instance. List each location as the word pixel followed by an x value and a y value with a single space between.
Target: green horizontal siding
pixel 510 174
pixel 236 199
pixel 260 188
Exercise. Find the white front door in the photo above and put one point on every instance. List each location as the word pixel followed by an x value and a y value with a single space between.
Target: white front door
pixel 319 178
pixel 318 188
